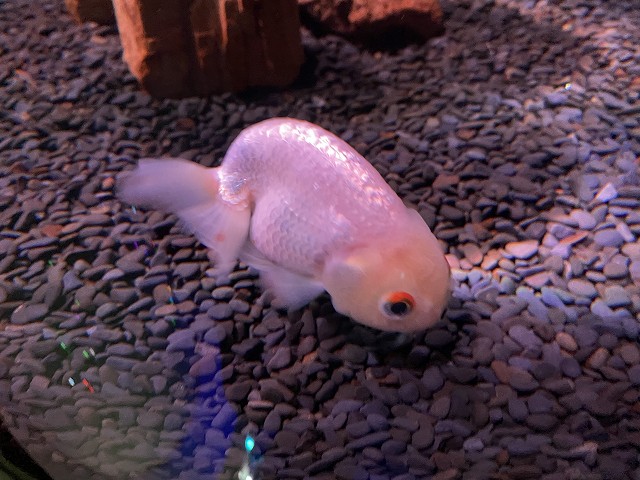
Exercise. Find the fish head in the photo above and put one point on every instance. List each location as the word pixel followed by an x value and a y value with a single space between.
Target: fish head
pixel 399 283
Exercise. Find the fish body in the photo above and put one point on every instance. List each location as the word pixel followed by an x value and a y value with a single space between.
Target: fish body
pixel 311 214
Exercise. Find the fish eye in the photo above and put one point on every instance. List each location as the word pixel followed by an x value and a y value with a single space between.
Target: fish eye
pixel 398 304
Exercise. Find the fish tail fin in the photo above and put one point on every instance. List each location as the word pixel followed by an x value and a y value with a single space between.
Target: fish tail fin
pixel 190 191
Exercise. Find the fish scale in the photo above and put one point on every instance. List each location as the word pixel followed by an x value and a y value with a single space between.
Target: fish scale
pixel 290 238
pixel 325 181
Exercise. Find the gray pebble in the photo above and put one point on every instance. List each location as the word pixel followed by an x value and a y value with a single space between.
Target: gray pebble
pixel 350 472
pixel 370 440
pixel 216 335
pixel 629 353
pixel 150 419
pixel 181 340
pixel 377 422
pixel 121 349
pixel 570 367
pixel 107 309
pixel 586 221
pixel 346 406
pixel 220 311
pixel 223 293
pixel 608 237
pixel 187 270
pixel 353 353
pixel 280 359
pixel 616 296
pixel 601 309
pixel 70 281
pixel 555 99
pixel 28 313
pixel 440 407
pixel 522 250
pixel 225 417
pixel 206 366
pixel 634 375
pixel 583 288
pixel 237 392
pixel 616 270
pixel 525 337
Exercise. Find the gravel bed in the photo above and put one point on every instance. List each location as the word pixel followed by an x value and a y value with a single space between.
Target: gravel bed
pixel 516 135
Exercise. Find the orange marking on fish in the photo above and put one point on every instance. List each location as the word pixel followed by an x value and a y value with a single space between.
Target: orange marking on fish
pixel 401 297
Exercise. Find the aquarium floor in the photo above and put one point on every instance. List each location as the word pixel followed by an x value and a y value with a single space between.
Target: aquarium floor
pixel 516 135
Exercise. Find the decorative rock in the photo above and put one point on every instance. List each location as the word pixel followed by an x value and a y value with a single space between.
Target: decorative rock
pixel 375 21
pixel 212 46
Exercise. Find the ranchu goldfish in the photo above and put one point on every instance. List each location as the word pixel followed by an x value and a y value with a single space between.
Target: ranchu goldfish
pixel 308 212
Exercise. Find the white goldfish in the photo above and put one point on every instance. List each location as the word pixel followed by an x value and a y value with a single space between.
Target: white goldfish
pixel 307 211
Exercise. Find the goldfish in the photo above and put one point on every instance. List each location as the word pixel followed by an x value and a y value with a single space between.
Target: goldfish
pixel 310 214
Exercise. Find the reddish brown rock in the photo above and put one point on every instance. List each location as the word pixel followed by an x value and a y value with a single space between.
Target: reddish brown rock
pixel 375 21
pixel 99 11
pixel 179 48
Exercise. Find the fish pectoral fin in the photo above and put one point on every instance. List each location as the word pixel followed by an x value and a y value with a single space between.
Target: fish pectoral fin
pixel 190 191
pixel 290 289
